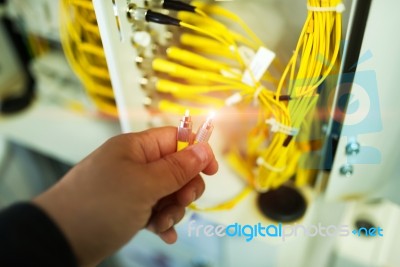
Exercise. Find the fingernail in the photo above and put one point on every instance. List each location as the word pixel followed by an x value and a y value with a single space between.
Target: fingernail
pixel 200 150
pixel 170 223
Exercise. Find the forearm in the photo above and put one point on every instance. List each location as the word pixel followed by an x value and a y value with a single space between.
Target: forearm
pixel 28 236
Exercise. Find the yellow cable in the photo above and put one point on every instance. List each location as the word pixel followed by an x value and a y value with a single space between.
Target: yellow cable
pixel 217 10
pixel 81 42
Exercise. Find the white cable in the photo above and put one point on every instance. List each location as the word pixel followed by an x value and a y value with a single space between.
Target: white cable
pixel 339 8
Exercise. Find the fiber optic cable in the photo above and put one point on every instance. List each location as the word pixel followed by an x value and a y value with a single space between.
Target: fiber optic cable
pixel 184 132
pixel 81 42
pixel 274 153
pixel 205 130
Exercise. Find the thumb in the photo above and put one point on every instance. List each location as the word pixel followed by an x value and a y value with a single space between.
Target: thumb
pixel 175 170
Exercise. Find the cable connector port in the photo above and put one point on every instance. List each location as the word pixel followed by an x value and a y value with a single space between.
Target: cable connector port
pixel 135 13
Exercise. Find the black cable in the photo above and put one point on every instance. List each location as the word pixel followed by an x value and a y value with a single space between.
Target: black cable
pixel 283 98
pixel 178 6
pixel 161 18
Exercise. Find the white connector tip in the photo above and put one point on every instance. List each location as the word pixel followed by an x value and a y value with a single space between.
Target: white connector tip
pixel 211 115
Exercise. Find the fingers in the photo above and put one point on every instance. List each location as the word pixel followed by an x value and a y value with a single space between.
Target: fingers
pixel 186 195
pixel 174 171
pixel 170 236
pixel 157 142
pixel 163 220
pixel 164 202
pixel 212 168
pixel 175 174
pixel 171 209
pixel 165 137
pixel 191 191
pixel 152 144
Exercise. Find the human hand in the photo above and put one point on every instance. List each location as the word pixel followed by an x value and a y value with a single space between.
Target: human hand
pixel 130 182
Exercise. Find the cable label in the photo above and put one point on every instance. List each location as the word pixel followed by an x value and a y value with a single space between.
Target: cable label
pixel 258 66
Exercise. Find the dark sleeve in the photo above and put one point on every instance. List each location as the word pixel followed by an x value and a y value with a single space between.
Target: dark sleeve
pixel 28 237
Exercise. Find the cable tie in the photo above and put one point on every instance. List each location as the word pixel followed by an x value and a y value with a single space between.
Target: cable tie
pixel 261 162
pixel 246 53
pixel 279 127
pixel 258 66
pixel 340 8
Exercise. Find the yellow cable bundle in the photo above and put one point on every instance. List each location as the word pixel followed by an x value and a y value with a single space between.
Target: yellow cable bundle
pixel 82 46
pixel 276 153
pixel 315 56
pixel 210 63
pixel 211 37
